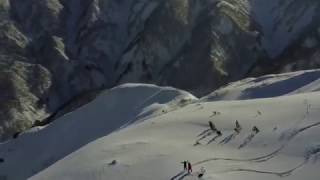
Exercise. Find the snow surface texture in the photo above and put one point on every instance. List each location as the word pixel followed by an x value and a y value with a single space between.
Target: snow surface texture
pixel 111 111
pixel 287 146
pixel 139 132
pixel 143 132
pixel 268 86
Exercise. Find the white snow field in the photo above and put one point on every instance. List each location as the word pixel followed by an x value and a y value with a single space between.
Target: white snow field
pixel 268 86
pixel 287 146
pixel 112 110
pixel 144 132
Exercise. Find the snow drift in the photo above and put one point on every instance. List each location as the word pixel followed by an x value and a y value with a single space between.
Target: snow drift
pixel 268 86
pixel 286 147
pixel 113 109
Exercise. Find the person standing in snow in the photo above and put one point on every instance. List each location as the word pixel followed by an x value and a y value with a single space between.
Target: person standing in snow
pixel 189 167
pixel 238 127
pixel 184 165
pixel 212 126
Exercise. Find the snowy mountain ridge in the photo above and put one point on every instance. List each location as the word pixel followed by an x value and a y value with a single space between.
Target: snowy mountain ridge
pixel 111 111
pixel 267 86
pixel 138 131
pixel 286 146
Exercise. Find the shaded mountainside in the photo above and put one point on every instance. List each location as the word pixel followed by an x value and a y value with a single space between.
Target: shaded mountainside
pixel 54 50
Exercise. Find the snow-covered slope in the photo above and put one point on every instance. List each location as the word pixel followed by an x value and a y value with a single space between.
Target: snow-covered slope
pixel 143 132
pixel 268 86
pixel 286 148
pixel 112 110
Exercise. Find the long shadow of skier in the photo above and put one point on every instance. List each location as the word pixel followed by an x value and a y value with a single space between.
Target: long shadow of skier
pixel 179 174
pixel 213 139
pixel 203 132
pixel 247 140
pixel 182 177
pixel 228 138
pixel 204 136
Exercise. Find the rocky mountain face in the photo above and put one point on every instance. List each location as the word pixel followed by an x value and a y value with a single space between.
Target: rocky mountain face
pixel 52 51
pixel 290 34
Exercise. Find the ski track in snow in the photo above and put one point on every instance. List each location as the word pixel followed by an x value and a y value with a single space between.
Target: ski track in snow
pixel 280 174
pixel 244 163
pixel 267 157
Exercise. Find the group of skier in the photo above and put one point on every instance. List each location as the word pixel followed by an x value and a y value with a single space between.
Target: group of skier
pixel 237 129
pixel 187 166
pixel 214 129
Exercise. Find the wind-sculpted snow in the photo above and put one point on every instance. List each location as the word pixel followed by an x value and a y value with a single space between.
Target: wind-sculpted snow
pixel 276 138
pixel 112 110
pixel 268 86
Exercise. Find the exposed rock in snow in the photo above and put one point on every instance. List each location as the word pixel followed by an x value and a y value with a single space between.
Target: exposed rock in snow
pixel 22 85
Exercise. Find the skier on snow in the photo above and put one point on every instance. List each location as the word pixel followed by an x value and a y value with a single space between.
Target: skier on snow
pixel 212 126
pixel 189 167
pixel 184 165
pixel 238 127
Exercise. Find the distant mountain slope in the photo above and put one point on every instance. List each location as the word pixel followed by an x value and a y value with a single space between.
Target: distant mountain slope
pixel 283 21
pixel 268 86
